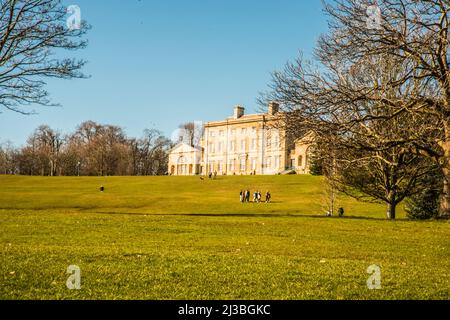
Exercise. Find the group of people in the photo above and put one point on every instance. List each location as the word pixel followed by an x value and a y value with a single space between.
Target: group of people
pixel 244 196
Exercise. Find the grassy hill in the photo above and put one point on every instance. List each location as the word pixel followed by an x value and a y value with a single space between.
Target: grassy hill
pixel 291 195
pixel 184 238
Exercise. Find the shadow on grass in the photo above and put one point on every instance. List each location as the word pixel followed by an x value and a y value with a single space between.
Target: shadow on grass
pixel 251 215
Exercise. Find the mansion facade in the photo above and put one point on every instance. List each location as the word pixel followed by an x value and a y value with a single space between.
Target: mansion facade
pixel 242 145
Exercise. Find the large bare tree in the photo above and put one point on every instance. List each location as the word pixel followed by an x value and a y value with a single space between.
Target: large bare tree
pixel 33 35
pixel 411 36
pixel 416 32
pixel 366 143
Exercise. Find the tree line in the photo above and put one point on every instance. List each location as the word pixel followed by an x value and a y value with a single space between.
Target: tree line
pixel 376 96
pixel 92 150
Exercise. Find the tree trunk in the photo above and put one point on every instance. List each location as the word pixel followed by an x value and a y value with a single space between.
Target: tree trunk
pixel 444 205
pixel 444 202
pixel 391 210
pixel 391 205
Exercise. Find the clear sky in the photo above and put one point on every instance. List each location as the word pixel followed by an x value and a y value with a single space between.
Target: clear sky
pixel 158 63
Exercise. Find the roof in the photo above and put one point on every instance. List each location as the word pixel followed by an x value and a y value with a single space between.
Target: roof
pixel 244 119
pixel 182 144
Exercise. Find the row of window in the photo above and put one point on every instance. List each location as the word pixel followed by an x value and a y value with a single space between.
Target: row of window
pixel 219 147
pixel 242 131
pixel 269 163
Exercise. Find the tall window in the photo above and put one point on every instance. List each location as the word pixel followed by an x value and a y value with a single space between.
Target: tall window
pixel 277 162
pixel 242 145
pixel 231 165
pixel 254 164
pixel 276 142
pixel 219 166
pixel 268 162
pixel 232 146
pixel 220 147
pixel 253 144
pixel 242 164
pixel 211 166
pixel 243 131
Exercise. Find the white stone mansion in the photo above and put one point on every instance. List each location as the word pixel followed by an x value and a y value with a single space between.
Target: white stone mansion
pixel 242 145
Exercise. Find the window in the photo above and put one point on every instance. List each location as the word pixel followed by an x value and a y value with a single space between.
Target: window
pixel 233 132
pixel 212 133
pixel 243 131
pixel 231 166
pixel 219 166
pixel 221 133
pixel 242 164
pixel 253 144
pixel 220 147
pixel 254 130
pixel 243 145
pixel 254 164
pixel 269 142
pixel 232 146
pixel 212 148
pixel 268 162
pixel 277 162
pixel 276 142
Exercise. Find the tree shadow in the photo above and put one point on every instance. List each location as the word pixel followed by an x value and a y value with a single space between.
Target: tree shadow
pixel 251 215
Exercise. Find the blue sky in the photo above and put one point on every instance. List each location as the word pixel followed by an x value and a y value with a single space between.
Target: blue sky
pixel 156 64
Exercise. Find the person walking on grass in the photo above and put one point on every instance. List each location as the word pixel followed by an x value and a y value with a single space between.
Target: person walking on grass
pixel 259 196
pixel 268 196
pixel 247 196
pixel 241 196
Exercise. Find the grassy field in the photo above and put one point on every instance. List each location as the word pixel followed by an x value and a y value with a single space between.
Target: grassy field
pixel 183 238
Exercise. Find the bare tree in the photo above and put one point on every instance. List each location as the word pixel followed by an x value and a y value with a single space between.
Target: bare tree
pixel 366 144
pixel 7 158
pixel 43 149
pixel 191 133
pixel 32 34
pixel 416 32
pixel 407 49
pixel 153 148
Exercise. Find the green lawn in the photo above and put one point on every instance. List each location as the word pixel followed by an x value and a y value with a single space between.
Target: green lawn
pixel 183 238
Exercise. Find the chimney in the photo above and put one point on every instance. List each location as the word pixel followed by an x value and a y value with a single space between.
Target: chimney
pixel 238 112
pixel 274 107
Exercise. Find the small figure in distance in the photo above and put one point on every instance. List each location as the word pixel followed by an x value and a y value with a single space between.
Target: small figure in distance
pixel 341 212
pixel 241 196
pixel 102 188
pixel 210 175
pixel 201 178
pixel 268 196
pixel 329 214
pixel 215 175
pixel 247 196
